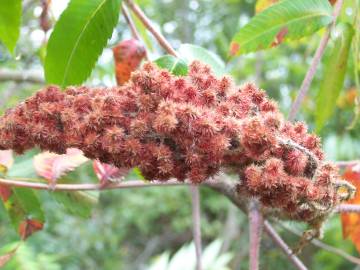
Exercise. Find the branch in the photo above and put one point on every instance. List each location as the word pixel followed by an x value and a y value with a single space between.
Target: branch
pixel 315 62
pixel 285 248
pixel 195 199
pixel 147 23
pixel 348 208
pixel 255 230
pixel 320 244
pixel 344 164
pixel 21 76
pixel 228 188
pixel 129 21
pixel 78 187
pixel 134 32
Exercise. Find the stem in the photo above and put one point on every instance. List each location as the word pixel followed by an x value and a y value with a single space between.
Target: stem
pixel 348 208
pixel 255 230
pixel 315 62
pixel 284 247
pixel 344 164
pixel 195 199
pixel 78 187
pixel 320 244
pixel 134 32
pixel 147 23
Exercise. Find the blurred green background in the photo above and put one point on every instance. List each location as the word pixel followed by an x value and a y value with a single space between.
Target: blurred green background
pixel 128 228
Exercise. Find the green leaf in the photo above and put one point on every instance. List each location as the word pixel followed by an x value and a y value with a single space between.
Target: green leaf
pixel 10 18
pixel 191 52
pixel 334 75
pixel 283 21
pixel 78 39
pixel 78 203
pixel 25 212
pixel 175 65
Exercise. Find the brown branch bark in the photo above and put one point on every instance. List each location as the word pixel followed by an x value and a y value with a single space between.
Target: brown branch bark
pixel 82 187
pixel 255 230
pixel 284 247
pixel 134 32
pixel 129 21
pixel 348 208
pixel 344 164
pixel 148 24
pixel 325 246
pixel 195 201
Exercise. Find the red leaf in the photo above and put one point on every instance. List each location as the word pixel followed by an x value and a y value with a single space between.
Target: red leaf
pixel 234 48
pixel 351 221
pixel 280 36
pixel 28 227
pixel 5 192
pixel 128 55
pixel 4 259
pixel 106 172
pixel 52 166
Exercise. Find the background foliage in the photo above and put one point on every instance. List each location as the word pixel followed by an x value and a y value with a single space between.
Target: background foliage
pixel 127 228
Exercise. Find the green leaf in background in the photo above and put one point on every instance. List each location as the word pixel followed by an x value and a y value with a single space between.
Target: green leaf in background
pixel 24 209
pixel 285 20
pixel 175 65
pixel 334 75
pixel 191 52
pixel 78 203
pixel 78 39
pixel 10 18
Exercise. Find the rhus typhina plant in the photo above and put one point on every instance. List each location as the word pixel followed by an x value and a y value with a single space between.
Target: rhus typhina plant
pixel 178 120
pixel 185 127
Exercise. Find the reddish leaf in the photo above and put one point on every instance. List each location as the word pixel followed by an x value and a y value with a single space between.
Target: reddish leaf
pixel 24 210
pixel 29 226
pixel 5 192
pixel 106 172
pixel 4 259
pixel 52 166
pixel 234 48
pixel 351 221
pixel 128 55
pixel 348 98
pixel 280 37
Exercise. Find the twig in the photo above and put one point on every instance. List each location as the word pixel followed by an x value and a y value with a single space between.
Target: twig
pixel 285 248
pixel 255 229
pixel 21 76
pixel 348 208
pixel 195 200
pixel 78 187
pixel 343 164
pixel 129 21
pixel 134 31
pixel 312 69
pixel 147 23
pixel 320 244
